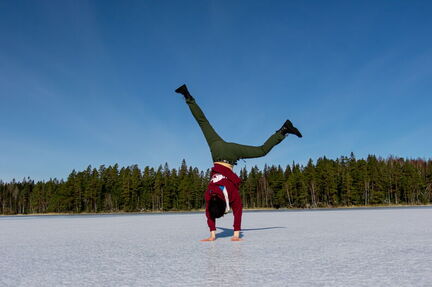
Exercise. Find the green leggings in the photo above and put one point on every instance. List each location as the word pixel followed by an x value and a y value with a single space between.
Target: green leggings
pixel 225 151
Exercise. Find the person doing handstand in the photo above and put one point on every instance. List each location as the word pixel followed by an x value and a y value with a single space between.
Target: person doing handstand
pixel 223 190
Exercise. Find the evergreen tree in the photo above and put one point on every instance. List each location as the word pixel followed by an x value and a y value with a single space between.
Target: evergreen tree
pixel 310 178
pixel 148 182
pixel 158 190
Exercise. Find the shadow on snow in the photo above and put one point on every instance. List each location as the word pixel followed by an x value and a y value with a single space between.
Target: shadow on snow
pixel 228 232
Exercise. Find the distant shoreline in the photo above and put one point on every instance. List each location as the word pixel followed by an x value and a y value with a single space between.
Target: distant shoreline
pixel 392 206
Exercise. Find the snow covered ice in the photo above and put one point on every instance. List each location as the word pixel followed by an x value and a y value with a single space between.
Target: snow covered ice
pixel 349 247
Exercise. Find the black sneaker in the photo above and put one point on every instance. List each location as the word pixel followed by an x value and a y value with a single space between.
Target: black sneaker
pixel 288 128
pixel 184 91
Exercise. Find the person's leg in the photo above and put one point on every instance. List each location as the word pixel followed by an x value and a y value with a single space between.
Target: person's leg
pixel 209 133
pixel 237 151
pixel 246 151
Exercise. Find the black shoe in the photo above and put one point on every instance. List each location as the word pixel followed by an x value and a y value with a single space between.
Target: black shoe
pixel 184 91
pixel 288 128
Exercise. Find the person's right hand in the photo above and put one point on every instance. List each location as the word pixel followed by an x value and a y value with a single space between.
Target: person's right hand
pixel 235 238
pixel 208 239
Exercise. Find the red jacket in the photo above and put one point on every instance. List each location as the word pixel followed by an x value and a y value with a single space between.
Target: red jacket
pixel 231 181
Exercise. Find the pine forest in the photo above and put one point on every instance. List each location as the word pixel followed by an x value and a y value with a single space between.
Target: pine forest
pixel 342 182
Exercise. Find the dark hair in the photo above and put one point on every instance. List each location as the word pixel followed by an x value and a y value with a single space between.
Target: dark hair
pixel 216 206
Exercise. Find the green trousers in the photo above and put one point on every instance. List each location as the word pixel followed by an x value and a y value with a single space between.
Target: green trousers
pixel 226 151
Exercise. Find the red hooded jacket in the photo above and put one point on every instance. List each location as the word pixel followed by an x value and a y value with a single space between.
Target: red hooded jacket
pixel 232 182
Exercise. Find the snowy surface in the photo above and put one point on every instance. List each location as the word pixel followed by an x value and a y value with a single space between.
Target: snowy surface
pixel 360 247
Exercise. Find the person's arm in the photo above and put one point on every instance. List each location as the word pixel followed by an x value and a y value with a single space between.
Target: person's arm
pixel 212 236
pixel 236 236
pixel 237 208
pixel 211 224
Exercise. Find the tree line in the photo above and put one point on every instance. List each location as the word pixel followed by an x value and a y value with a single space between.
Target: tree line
pixel 345 181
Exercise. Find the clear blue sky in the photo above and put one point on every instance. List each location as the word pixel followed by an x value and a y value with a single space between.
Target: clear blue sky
pixel 91 82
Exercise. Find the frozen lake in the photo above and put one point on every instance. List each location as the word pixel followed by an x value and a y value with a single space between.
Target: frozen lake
pixel 358 247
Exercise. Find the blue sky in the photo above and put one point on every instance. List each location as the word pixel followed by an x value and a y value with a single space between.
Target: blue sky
pixel 91 82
